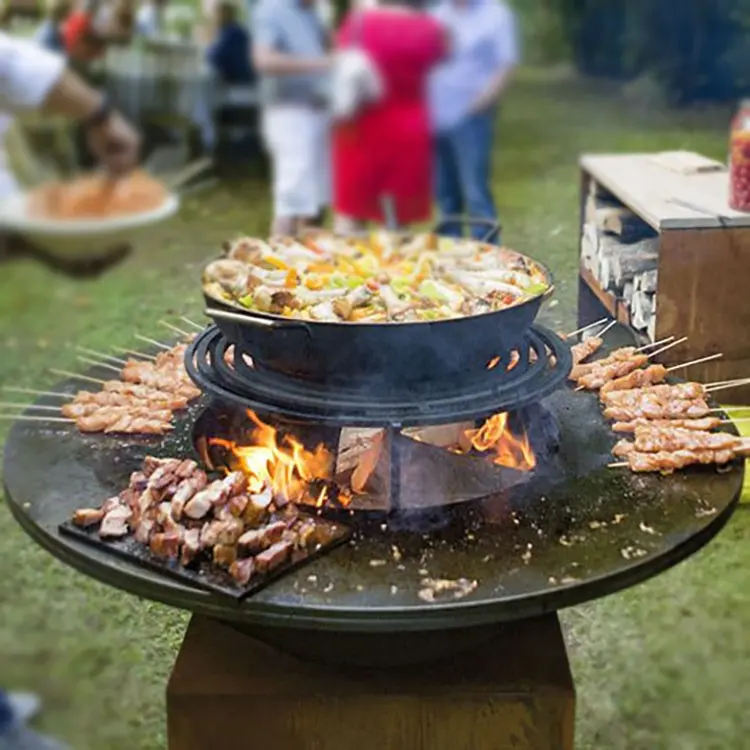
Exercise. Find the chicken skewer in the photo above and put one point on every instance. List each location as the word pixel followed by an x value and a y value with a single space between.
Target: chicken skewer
pixel 699 424
pixel 656 409
pixel 649 439
pixel 666 462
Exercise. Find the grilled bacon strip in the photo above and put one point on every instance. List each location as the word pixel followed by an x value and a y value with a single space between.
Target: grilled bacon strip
pixel 637 379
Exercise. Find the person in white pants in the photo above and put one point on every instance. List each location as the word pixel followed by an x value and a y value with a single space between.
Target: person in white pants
pixel 290 55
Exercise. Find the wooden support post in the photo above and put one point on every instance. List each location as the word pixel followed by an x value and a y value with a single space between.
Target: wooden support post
pixel 229 691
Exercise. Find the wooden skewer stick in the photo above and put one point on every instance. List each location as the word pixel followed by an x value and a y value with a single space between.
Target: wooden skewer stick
pixel 736 419
pixel 30 418
pixel 618 465
pixel 96 362
pixel 12 405
pixel 153 342
pixel 14 389
pixel 655 343
pixel 578 330
pixel 729 409
pixel 135 353
pixel 101 355
pixel 69 374
pixel 728 385
pixel 606 328
pixel 199 327
pixel 668 346
pixel 710 358
pixel 174 328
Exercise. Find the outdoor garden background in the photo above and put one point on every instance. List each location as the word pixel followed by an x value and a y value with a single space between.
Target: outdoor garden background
pixel 660 666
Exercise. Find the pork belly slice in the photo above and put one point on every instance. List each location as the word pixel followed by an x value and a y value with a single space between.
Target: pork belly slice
pixel 147 500
pixel 229 531
pixel 85 517
pixel 143 530
pixel 191 546
pixel 187 488
pixel 151 464
pixel 242 570
pixel 111 503
pixel 258 508
pixel 138 481
pixel 234 483
pixel 201 503
pixel 157 468
pixel 307 535
pixel 225 555
pixel 166 543
pixel 273 557
pixel 256 540
pixel 115 523
pixel 237 504
pixel 186 468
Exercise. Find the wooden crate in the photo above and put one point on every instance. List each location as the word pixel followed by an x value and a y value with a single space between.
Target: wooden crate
pixel 700 252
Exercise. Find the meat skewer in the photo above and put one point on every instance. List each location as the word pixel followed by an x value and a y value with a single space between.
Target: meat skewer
pixel 655 409
pixel 668 462
pixel 655 439
pixel 651 375
pixel 602 374
pixel 699 424
pixel 665 391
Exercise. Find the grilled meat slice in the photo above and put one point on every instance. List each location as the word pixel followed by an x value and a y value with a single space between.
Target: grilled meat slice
pixel 186 469
pixel 201 503
pixel 187 489
pixel 85 517
pixel 166 544
pixel 191 546
pixel 143 530
pixel 225 554
pixel 242 570
pixel 256 540
pixel 115 523
pixel 273 557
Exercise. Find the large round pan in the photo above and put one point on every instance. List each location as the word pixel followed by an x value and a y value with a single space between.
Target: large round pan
pixel 360 353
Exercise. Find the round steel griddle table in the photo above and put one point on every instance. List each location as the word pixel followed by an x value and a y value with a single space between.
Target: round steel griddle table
pixel 557 542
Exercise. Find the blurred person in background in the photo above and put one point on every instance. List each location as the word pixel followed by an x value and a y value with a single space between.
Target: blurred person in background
pixel 290 55
pixel 16 710
pixel 229 53
pixel 35 79
pixel 93 25
pixel 49 34
pixel 150 20
pixel 385 149
pixel 465 92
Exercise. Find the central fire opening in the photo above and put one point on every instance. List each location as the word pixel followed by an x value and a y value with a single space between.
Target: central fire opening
pixel 384 469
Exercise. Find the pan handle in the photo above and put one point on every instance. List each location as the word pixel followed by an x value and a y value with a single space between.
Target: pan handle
pixel 255 321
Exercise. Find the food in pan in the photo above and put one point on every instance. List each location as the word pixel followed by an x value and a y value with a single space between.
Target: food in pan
pixel 97 196
pixel 172 507
pixel 385 278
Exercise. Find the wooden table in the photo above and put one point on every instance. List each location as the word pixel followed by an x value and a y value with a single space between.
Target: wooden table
pixel 702 262
pixel 231 692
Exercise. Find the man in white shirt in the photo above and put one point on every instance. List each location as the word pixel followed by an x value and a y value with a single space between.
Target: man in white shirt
pixel 32 78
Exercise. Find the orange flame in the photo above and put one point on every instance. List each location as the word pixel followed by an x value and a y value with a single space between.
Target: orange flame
pixel 493 363
pixel 285 465
pixel 510 450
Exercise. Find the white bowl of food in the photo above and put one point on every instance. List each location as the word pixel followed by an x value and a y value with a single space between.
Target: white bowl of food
pixel 89 214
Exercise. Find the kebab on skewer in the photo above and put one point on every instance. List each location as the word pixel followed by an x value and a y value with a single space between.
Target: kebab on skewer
pixel 704 424
pixel 673 391
pixel 666 462
pixel 657 409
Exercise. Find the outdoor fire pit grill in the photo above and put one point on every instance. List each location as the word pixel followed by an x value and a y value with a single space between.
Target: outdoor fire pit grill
pixel 568 531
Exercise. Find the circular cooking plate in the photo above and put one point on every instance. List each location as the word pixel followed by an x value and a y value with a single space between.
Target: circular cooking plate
pixel 442 403
pixel 556 542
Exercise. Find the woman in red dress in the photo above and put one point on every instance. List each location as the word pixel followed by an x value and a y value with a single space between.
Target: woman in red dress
pixel 386 150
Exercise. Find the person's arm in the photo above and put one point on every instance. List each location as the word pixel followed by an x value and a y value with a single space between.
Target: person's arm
pixel 33 78
pixel 506 59
pixel 266 57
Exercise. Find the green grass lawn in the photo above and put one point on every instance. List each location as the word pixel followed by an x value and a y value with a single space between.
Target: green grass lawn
pixel 660 666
